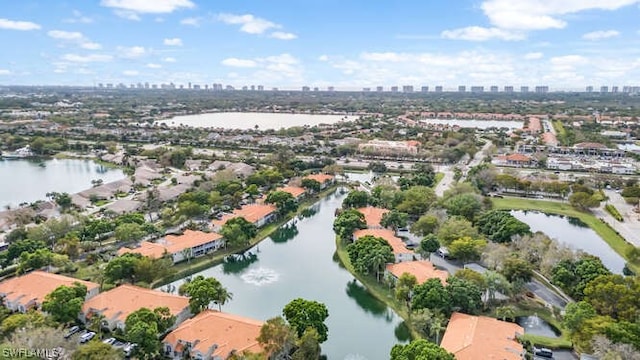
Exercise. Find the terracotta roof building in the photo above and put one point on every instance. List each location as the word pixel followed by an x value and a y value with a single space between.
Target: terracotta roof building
pixel 324 179
pixel 179 247
pixel 479 337
pixel 28 291
pixel 258 214
pixel 213 335
pixel 400 251
pixel 117 303
pixel 373 216
pixel 422 270
pixel 296 191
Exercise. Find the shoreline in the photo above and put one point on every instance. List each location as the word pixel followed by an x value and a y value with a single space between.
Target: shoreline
pixel 207 261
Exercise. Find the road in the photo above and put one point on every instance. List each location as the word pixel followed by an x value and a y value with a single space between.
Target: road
pixel 446 181
pixel 630 228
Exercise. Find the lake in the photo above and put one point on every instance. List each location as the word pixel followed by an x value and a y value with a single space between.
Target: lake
pixel 573 234
pixel 299 260
pixel 478 124
pixel 29 181
pixel 249 120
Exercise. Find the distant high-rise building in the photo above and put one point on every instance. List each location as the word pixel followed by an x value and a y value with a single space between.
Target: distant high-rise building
pixel 394 89
pixel 109 86
pixel 245 88
pixel 366 89
pixel 331 89
pixel 524 89
pixel 477 89
pixel 196 87
pixel 154 86
pixel 189 85
pixel 305 88
pixel 494 88
pixel 508 89
pixel 439 88
pixel 379 88
pixel 542 89
pixel 260 87
pixel 253 88
pixel 614 89
pixel 140 86
pixel 462 88
pixel 101 85
pixel 229 88
pixel 181 86
pixel 589 89
pixel 274 89
pixel 206 86
pixel 217 87
pixel 172 86
pixel 604 89
pixel 424 89
pixel 407 88
pixel 316 89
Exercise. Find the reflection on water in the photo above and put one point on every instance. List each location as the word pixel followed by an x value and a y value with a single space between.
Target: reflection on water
pixel 310 211
pixel 285 233
pixel 236 264
pixel 402 332
pixel 536 326
pixel 260 276
pixel 367 302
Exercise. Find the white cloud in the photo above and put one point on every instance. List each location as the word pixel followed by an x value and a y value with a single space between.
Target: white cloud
pixel 148 6
pixel 78 18
pixel 5 72
pixel 323 58
pixel 478 33
pixel 542 14
pixel 601 34
pixel 250 24
pixel 18 25
pixel 169 60
pixel 192 21
pixel 128 15
pixel 90 45
pixel 235 62
pixel 154 66
pixel 65 35
pixel 131 52
pixel 130 73
pixel 533 56
pixel 283 35
pixel 173 42
pixel 87 58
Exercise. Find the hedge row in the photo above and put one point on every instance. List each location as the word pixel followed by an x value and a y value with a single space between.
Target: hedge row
pixel 614 212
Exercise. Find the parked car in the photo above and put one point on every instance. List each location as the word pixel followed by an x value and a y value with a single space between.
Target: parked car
pixel 543 352
pixel 86 337
pixel 443 252
pixel 109 341
pixel 72 330
pixel 129 348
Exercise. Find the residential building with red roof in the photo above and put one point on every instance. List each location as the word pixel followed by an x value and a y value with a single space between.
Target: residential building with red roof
pixel 116 304
pixel 324 179
pixel 180 247
pixel 400 252
pixel 28 291
pixel 550 139
pixel 373 216
pixel 257 214
pixel 423 270
pixel 213 335
pixel 296 191
pixel 471 337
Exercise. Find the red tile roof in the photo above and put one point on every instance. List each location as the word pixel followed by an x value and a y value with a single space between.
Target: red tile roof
pixel 173 244
pixel 396 243
pixel 373 215
pixel 252 213
pixel 518 157
pixel 321 178
pixel 479 337
pixel 422 270
pixel 293 190
pixel 36 285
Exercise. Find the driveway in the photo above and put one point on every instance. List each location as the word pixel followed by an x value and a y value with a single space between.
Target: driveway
pixel 630 228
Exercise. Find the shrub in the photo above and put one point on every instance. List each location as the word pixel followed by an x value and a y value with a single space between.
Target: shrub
pixel 614 212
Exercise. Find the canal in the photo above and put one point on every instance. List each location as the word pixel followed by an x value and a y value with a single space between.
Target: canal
pixel 299 260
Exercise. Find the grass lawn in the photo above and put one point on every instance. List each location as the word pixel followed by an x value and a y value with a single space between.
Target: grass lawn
pixel 439 176
pixel 617 243
pixel 378 290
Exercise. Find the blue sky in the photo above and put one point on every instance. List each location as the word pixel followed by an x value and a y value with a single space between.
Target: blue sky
pixel 349 44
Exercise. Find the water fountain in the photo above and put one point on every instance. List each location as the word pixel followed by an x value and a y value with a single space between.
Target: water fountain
pixel 535 325
pixel 260 276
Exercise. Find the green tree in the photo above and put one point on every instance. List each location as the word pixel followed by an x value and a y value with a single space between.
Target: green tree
pixel 356 199
pixel 311 185
pixel 583 201
pixel 426 224
pixel 276 337
pixel 472 276
pixel 121 268
pixel 465 295
pixel 467 249
pixel 144 326
pixel 429 244
pixel 284 202
pixel 500 226
pixel 129 232
pixel 517 269
pixel 431 295
pixel 394 219
pixel 576 313
pixel 615 296
pixel 495 283
pixel 21 246
pixel 16 321
pixel 65 302
pixel 464 205
pixel 96 350
pixel 308 346
pixel 302 314
pixel 455 228
pixel 573 276
pixel 191 209
pixel 204 291
pixel 506 312
pixel 347 222
pixel 419 350
pixel 417 200
pixel 404 286
pixel 369 254
pixel 238 231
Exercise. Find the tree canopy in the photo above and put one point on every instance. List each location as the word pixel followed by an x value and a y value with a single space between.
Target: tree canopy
pixel 284 201
pixel 369 254
pixel 302 314
pixel 500 226
pixel 420 350
pixel 65 302
pixel 347 222
pixel 204 291
pixel 238 231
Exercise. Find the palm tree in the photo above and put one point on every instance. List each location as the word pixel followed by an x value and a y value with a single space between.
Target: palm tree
pixel 222 297
pixel 378 260
pixel 506 312
pixel 97 320
pixel 437 326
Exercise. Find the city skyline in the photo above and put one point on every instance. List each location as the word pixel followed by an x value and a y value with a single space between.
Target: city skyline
pixel 566 45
